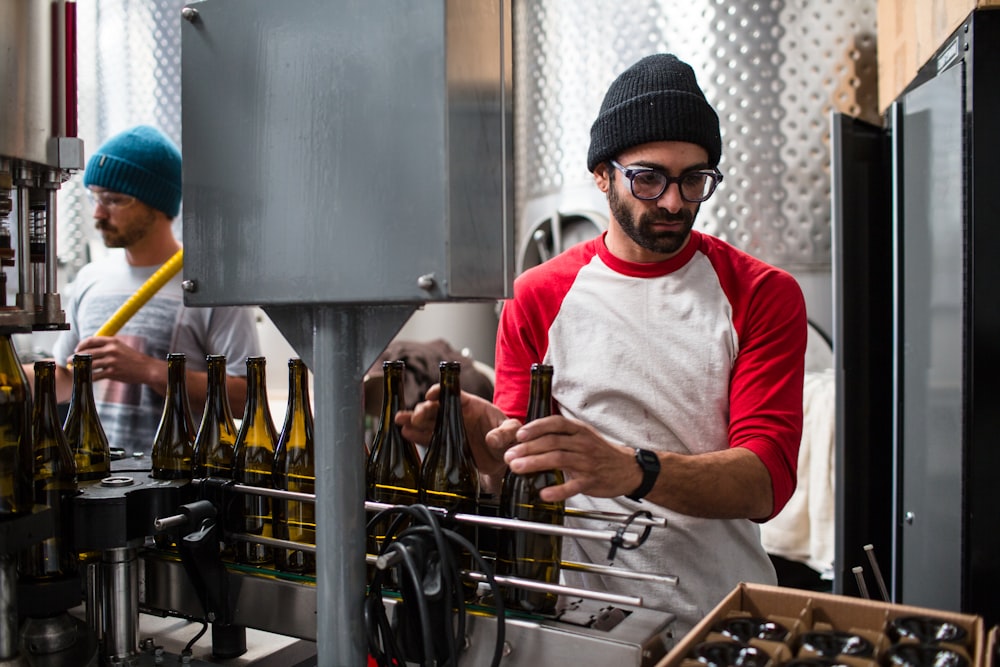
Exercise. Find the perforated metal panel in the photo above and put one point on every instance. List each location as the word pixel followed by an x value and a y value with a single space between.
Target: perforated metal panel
pixel 773 70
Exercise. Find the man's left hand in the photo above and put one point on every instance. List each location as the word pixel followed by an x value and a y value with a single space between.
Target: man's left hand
pixel 591 465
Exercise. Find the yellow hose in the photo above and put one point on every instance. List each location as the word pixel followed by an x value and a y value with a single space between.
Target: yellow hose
pixel 142 295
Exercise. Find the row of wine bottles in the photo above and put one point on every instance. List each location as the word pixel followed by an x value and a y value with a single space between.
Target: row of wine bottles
pixel 256 454
pixel 448 478
pixel 42 460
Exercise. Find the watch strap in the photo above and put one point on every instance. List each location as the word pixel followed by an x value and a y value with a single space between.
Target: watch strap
pixel 649 462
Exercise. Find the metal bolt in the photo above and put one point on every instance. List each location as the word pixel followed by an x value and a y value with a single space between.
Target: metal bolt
pixel 189 14
pixel 507 649
pixel 909 518
pixel 426 282
pixel 189 286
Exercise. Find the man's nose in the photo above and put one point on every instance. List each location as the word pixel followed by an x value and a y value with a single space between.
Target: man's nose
pixel 671 198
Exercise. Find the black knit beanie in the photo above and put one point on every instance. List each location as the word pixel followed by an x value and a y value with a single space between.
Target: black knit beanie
pixel 656 99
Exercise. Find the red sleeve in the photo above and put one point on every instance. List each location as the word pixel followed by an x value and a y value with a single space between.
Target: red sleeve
pixel 523 333
pixel 765 392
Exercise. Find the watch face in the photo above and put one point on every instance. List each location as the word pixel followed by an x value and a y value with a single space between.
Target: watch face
pixel 650 465
pixel 647 459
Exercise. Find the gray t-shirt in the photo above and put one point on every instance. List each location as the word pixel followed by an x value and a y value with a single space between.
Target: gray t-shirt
pixel 130 413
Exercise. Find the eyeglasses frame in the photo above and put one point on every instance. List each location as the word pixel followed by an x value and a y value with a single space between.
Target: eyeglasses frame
pixel 99 197
pixel 631 172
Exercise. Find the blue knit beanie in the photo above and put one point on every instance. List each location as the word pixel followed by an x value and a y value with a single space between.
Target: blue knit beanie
pixel 142 162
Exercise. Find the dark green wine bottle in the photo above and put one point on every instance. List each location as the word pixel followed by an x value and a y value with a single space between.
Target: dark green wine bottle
pixel 448 476
pixel 54 475
pixel 393 471
pixel 16 460
pixel 173 445
pixel 532 555
pixel 294 470
pixel 82 427
pixel 253 464
pixel 216 439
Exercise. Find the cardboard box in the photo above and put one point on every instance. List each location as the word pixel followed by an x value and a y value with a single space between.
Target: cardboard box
pixel 909 33
pixel 801 611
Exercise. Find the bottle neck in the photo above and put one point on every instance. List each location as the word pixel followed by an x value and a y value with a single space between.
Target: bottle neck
pixel 45 387
pixel 257 406
pixel 83 385
pixel 392 383
pixel 451 385
pixel 540 396
pixel 217 399
pixel 176 384
pixel 298 412
pixel 45 425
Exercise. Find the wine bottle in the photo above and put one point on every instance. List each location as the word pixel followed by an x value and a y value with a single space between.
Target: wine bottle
pixel 448 476
pixel 82 427
pixel 54 475
pixel 216 439
pixel 294 470
pixel 532 555
pixel 173 445
pixel 16 460
pixel 393 470
pixel 253 464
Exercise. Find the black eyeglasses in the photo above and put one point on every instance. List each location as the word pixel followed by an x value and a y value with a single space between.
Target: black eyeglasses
pixel 647 183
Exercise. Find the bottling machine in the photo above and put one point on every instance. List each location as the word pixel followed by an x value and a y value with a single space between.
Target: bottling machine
pixel 344 164
pixel 39 150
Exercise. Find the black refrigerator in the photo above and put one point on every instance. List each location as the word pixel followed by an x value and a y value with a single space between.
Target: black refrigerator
pixel 916 275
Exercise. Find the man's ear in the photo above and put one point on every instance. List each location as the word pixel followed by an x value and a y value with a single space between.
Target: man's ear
pixel 601 177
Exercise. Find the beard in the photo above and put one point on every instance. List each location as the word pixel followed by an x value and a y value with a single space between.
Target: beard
pixel 665 242
pixel 124 235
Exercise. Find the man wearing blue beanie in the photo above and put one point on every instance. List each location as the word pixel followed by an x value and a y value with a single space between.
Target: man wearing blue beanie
pixel 134 179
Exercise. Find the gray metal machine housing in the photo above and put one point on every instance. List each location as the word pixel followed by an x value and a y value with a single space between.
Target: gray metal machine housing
pixel 355 151
pixel 344 163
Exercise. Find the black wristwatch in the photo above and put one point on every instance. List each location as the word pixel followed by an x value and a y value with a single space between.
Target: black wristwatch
pixel 650 464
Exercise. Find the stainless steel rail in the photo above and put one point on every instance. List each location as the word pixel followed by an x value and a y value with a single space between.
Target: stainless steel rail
pixel 476 519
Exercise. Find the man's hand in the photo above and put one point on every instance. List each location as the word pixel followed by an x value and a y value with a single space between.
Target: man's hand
pixel 113 359
pixel 591 464
pixel 480 416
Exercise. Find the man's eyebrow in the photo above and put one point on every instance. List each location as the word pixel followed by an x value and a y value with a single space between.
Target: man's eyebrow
pixel 659 167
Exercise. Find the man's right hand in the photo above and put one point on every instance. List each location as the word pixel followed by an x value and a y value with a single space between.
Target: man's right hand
pixel 482 419
pixel 113 359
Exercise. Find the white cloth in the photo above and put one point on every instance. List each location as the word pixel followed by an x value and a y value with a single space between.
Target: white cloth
pixel 804 530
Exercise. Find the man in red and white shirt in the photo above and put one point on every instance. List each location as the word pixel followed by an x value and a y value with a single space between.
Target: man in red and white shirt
pixel 678 361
